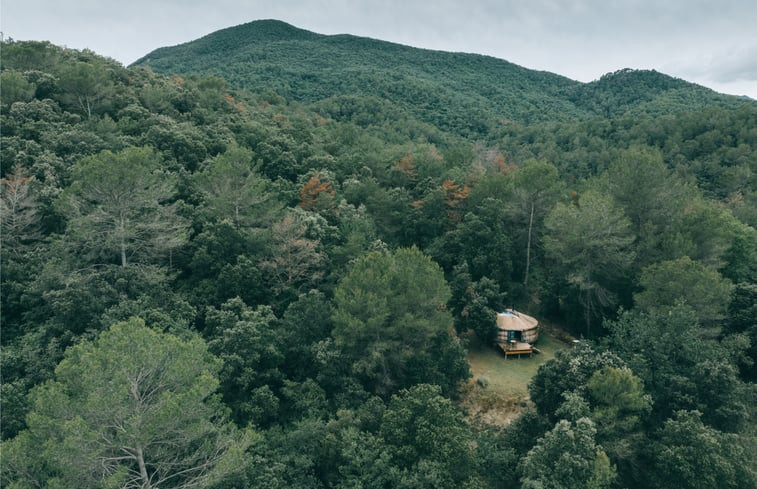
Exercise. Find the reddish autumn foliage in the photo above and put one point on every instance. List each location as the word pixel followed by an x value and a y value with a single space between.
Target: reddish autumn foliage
pixel 504 166
pixel 454 193
pixel 15 184
pixel 316 194
pixel 406 165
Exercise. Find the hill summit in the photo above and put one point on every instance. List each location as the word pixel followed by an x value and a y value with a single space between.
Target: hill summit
pixel 464 93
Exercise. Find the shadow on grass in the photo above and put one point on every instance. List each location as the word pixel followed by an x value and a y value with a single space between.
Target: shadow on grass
pixel 506 391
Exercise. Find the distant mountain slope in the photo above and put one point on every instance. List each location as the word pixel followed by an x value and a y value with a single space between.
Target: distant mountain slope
pixel 463 93
pixel 636 92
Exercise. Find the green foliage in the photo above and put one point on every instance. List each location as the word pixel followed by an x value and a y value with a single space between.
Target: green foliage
pixel 481 241
pixel 234 190
pixel 85 88
pixel 219 264
pixel 741 257
pixel 536 189
pixel 118 208
pixel 15 88
pixel 590 243
pixel 463 93
pixel 389 312
pixel 475 304
pixel 269 220
pixel 619 408
pixel 634 91
pixel 26 362
pixel 681 369
pixel 742 314
pixel 30 55
pixel 701 287
pixel 249 343
pixel 569 371
pixel 497 461
pixel 620 401
pixel 568 457
pixel 690 454
pixel 651 197
pixel 427 436
pixel 162 423
pixel 367 463
pixel 305 323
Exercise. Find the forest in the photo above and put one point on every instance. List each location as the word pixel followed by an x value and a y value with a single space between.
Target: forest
pixel 266 273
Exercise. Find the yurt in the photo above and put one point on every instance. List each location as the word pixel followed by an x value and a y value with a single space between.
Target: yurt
pixel 516 330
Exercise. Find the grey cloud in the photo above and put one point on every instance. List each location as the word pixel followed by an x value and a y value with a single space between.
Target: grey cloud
pixel 741 65
pixel 733 64
pixel 582 39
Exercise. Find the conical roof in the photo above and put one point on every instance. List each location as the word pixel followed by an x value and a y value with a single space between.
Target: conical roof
pixel 511 320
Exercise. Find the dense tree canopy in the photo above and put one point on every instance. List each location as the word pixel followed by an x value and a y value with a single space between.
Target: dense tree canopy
pixel 119 207
pixel 698 285
pixel 389 309
pixel 590 239
pixel 337 228
pixel 568 457
pixel 162 425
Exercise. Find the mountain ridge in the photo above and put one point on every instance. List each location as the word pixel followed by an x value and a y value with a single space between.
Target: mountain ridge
pixel 465 93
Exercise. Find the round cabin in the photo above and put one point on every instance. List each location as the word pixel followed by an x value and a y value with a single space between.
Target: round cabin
pixel 516 327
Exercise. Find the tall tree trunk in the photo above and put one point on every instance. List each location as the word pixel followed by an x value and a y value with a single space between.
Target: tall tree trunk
pixel 588 324
pixel 143 469
pixel 123 243
pixel 589 308
pixel 528 245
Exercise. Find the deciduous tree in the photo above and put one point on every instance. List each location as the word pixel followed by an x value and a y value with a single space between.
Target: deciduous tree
pixel 250 344
pixel 685 280
pixel 681 369
pixel 427 436
pixel 568 457
pixel 692 455
pixel 569 371
pixel 296 259
pixel 18 209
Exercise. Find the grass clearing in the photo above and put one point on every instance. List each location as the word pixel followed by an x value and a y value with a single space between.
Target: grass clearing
pixel 506 392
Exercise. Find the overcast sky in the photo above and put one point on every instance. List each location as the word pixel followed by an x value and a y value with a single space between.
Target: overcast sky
pixel 710 42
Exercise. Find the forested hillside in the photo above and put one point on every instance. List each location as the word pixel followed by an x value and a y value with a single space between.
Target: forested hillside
pixel 466 94
pixel 264 272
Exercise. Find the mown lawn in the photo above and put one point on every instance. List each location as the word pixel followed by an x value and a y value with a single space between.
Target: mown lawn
pixel 506 391
pixel 509 378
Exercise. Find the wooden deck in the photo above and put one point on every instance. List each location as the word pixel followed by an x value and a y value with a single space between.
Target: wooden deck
pixel 517 349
